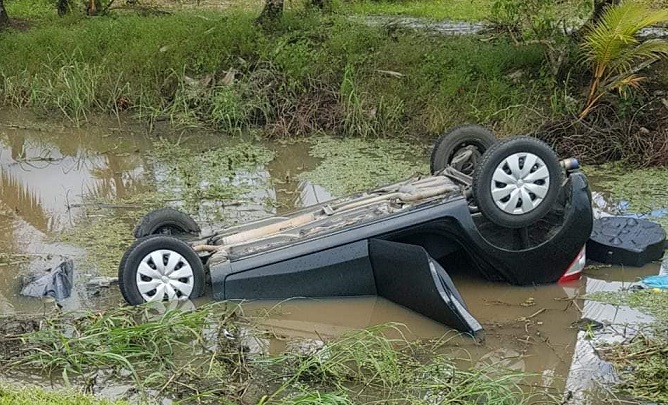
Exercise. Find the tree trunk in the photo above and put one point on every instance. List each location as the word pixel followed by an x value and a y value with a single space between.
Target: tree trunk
pixel 93 7
pixel 4 18
pixel 63 7
pixel 599 7
pixel 323 5
pixel 273 10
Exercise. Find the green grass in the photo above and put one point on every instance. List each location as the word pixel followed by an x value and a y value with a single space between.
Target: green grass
pixel 30 9
pixel 316 398
pixel 641 361
pixel 10 395
pixel 457 10
pixel 311 73
pixel 148 346
pixel 124 338
pixel 369 366
pixel 202 351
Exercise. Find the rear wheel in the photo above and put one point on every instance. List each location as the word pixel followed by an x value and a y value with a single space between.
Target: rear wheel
pixel 461 148
pixel 160 268
pixel 517 182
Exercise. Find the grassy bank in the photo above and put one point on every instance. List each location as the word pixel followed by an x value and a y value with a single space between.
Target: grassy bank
pixel 311 73
pixel 200 357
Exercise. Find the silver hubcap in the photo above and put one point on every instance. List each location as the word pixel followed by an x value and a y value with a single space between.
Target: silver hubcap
pixel 164 274
pixel 520 183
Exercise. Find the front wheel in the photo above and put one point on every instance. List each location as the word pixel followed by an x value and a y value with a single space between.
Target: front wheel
pixel 461 148
pixel 160 268
pixel 517 182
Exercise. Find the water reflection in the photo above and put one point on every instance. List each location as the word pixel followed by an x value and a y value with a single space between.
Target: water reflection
pixel 41 183
pixel 46 175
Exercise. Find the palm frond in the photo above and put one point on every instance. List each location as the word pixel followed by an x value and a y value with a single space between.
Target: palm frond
pixel 623 83
pixel 650 50
pixel 614 52
pixel 618 29
pixel 614 32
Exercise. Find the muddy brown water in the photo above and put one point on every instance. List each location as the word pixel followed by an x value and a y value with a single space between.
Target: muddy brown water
pixel 47 171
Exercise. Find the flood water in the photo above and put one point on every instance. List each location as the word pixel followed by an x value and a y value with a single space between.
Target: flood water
pixel 49 174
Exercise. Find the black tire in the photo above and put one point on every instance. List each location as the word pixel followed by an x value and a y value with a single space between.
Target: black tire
pixel 166 221
pixel 140 251
pixel 545 180
pixel 455 140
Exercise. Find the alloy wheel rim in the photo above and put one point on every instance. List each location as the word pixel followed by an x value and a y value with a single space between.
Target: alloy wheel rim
pixel 520 183
pixel 164 274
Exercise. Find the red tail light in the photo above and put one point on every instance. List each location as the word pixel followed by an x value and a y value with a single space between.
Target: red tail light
pixel 574 271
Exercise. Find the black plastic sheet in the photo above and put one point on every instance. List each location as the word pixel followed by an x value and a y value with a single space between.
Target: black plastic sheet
pixel 56 283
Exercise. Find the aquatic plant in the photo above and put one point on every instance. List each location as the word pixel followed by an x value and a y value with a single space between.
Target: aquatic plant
pixel 351 165
pixel 653 302
pixel 643 189
pixel 11 395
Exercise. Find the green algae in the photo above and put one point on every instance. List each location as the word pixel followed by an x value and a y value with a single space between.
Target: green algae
pixel 352 164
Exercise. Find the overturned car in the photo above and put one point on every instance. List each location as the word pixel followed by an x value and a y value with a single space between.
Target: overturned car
pixel 505 210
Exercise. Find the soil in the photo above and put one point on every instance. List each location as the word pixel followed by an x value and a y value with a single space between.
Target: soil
pixel 11 329
pixel 18 24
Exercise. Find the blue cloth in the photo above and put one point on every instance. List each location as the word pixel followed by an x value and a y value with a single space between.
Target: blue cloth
pixel 660 281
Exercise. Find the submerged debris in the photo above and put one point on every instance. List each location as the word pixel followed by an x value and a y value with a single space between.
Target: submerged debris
pixel 56 283
pixel 102 281
pixel 642 363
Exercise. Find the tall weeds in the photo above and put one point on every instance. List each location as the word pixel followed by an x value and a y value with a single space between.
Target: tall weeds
pixel 200 356
pixel 369 364
pixel 140 341
pixel 313 73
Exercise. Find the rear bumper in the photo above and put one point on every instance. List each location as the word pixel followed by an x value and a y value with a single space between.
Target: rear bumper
pixel 547 262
